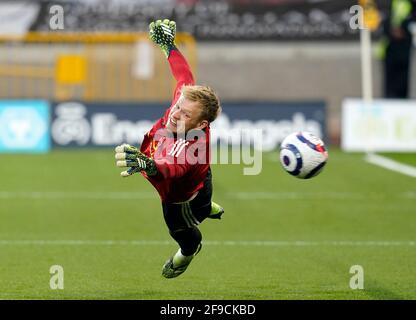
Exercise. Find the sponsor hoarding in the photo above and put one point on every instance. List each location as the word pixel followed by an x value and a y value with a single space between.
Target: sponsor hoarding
pixel 77 124
pixel 383 125
pixel 24 126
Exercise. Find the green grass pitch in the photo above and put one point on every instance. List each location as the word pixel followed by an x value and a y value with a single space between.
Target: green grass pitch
pixel 280 238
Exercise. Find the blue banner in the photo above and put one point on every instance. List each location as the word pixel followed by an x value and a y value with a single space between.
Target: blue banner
pixel 76 124
pixel 24 126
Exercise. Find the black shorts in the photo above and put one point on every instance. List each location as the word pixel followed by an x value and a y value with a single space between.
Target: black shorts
pixel 179 216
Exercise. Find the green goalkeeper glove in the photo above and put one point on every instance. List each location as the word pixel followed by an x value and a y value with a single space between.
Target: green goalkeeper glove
pixel 136 161
pixel 163 34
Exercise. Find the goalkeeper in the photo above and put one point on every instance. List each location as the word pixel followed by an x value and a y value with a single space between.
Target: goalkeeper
pixel 174 155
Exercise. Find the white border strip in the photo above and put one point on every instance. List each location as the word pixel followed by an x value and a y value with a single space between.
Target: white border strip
pixel 252 243
pixel 391 164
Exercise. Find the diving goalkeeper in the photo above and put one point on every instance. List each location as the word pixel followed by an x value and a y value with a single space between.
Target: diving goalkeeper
pixel 175 155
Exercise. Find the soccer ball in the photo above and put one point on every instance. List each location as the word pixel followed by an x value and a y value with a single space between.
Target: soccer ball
pixel 303 155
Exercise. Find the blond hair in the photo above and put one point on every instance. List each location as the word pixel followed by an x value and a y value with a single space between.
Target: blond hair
pixel 207 99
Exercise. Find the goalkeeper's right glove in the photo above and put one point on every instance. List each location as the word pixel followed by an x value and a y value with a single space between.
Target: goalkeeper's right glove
pixel 136 161
pixel 163 34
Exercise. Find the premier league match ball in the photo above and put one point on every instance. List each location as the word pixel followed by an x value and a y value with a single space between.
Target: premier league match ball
pixel 303 155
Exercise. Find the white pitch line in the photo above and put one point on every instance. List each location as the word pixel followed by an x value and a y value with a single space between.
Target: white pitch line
pixel 294 195
pixel 254 243
pixel 391 164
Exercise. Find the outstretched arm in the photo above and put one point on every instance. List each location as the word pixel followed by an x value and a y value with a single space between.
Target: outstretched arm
pixel 163 34
pixel 130 157
pixel 181 71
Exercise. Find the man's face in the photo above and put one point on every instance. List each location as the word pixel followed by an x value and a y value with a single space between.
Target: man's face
pixel 184 116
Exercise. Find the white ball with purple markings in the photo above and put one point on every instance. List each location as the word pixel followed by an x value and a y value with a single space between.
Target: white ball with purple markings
pixel 303 155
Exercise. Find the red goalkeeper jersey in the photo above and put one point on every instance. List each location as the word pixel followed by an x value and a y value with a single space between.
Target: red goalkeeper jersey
pixel 182 162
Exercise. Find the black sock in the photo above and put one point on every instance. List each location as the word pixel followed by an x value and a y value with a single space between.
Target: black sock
pixel 188 239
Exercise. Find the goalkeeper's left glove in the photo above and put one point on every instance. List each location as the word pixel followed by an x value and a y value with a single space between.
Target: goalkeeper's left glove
pixel 163 34
pixel 136 161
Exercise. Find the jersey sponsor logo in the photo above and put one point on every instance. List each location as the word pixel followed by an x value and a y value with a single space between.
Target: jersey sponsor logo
pixel 178 147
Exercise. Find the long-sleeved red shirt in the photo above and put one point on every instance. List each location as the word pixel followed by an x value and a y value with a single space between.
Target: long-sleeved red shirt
pixel 182 164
